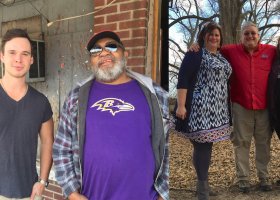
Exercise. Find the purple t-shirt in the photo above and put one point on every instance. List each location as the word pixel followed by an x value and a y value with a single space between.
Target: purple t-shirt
pixel 118 157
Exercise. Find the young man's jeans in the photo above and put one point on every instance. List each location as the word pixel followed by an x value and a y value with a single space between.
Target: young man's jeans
pixel 248 124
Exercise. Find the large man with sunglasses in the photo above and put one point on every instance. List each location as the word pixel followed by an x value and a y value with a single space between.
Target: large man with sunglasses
pixel 111 142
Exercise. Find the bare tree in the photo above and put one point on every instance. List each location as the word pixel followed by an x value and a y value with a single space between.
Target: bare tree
pixel 263 13
pixel 230 19
pixel 187 17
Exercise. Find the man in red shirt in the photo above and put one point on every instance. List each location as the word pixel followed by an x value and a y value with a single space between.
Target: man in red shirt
pixel 251 63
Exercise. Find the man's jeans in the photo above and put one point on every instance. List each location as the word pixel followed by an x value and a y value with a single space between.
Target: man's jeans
pixel 248 124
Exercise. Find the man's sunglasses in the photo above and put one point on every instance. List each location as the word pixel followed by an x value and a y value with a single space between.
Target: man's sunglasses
pixel 109 47
pixel 247 33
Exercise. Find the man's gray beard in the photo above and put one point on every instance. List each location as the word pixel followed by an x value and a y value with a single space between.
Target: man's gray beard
pixel 110 74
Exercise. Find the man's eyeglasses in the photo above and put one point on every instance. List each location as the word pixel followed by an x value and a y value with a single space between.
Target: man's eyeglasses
pixel 248 33
pixel 109 47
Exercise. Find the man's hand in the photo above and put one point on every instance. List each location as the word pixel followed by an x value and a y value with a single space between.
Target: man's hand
pixel 76 196
pixel 194 47
pixel 37 190
pixel 160 198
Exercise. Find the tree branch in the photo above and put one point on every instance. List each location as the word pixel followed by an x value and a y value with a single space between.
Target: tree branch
pixel 269 26
pixel 193 16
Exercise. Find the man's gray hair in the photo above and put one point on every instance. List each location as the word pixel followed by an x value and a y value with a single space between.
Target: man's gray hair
pixel 248 24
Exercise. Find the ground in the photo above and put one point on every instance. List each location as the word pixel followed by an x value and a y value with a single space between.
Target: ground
pixel 221 173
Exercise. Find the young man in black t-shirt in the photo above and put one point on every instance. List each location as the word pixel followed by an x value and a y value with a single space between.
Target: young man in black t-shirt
pixel 25 112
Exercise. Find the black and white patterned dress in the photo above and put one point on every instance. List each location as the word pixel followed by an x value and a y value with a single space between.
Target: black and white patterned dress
pixel 209 119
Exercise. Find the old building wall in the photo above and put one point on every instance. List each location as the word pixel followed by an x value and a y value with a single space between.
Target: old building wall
pixel 66 58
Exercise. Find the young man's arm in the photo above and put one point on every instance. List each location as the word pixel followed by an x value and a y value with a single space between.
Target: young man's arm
pixel 46 137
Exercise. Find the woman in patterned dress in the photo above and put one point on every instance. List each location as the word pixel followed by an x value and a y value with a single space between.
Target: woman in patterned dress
pixel 203 101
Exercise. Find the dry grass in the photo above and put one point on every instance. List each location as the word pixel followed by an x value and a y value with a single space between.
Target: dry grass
pixel 222 170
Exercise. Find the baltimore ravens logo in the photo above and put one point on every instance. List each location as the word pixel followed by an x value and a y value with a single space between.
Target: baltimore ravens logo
pixel 113 105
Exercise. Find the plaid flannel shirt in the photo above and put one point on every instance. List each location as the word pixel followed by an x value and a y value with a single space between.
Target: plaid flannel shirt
pixel 66 150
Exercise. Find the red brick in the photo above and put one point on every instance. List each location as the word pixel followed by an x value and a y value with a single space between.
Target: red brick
pixel 99 20
pixel 119 17
pixel 133 24
pixel 139 14
pixel 140 69
pixel 124 34
pixel 104 2
pixel 48 193
pixel 99 3
pixel 58 197
pixel 54 188
pixel 136 61
pixel 107 10
pixel 139 42
pixel 137 52
pixel 139 33
pixel 117 1
pixel 103 27
pixel 134 5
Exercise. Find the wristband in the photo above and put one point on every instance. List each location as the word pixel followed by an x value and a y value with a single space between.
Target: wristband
pixel 45 183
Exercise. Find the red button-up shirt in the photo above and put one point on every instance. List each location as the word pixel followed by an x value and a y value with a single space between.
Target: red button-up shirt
pixel 250 74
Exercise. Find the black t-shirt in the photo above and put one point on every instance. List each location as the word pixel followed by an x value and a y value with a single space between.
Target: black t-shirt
pixel 20 123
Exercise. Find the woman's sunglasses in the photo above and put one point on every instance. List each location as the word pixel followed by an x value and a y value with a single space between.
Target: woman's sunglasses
pixel 109 47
